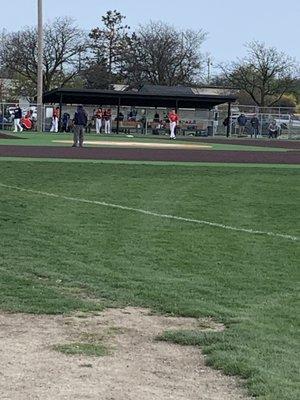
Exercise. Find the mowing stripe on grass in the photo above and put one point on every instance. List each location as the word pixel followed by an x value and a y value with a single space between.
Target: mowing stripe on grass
pixel 155 163
pixel 153 214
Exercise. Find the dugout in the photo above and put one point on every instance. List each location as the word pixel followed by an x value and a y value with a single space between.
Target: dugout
pixel 178 97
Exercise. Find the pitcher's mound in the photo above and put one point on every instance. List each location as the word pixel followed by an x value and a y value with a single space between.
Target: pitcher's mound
pixel 142 145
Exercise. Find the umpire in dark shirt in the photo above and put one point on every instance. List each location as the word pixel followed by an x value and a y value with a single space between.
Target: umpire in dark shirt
pixel 80 122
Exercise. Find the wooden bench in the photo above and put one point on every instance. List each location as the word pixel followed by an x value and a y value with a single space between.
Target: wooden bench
pixel 197 129
pixel 6 126
pixel 158 128
pixel 126 126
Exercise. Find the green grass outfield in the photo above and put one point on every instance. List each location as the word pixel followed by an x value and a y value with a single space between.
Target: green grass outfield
pixel 59 254
pixel 49 139
pixel 156 163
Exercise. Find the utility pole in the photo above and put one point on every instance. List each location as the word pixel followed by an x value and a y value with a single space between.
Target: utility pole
pixel 40 48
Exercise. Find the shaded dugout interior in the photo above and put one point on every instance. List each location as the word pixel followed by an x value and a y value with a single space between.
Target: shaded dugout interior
pixel 147 96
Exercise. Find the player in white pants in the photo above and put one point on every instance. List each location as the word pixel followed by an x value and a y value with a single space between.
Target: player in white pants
pixel 98 117
pixel 55 118
pixel 107 120
pixel 107 126
pixel 54 126
pixel 17 125
pixel 17 118
pixel 173 118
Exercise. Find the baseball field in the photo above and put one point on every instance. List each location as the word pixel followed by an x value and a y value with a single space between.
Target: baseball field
pixel 206 232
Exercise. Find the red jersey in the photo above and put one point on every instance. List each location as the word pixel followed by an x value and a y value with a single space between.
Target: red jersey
pixel 173 117
pixel 107 115
pixel 56 113
pixel 98 114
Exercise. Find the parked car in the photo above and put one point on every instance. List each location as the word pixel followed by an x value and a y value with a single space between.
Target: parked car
pixel 285 121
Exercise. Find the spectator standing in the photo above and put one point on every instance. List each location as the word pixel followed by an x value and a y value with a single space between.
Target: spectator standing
pixel 174 119
pixel 226 122
pixel 3 120
pixel 98 120
pixel 156 117
pixel 143 122
pixel 66 122
pixel 17 118
pixel 80 122
pixel 255 126
pixel 130 116
pixel 107 120
pixel 273 129
pixel 55 119
pixel 120 117
pixel 242 121
pixel 89 125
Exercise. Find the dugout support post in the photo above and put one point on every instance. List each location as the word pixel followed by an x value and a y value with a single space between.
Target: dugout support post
pixel 118 115
pixel 60 113
pixel 228 128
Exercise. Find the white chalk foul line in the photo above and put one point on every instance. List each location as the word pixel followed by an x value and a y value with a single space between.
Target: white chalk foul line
pixel 153 214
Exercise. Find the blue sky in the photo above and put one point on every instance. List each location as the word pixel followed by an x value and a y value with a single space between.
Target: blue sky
pixel 229 23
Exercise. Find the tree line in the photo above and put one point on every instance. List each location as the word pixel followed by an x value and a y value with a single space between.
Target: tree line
pixel 156 53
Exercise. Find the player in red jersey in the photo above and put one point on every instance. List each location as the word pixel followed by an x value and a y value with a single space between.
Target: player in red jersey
pixel 174 119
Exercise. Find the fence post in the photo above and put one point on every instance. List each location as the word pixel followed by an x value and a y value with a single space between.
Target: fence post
pixel 146 116
pixel 289 128
pixel 2 109
pixel 118 116
pixel 60 113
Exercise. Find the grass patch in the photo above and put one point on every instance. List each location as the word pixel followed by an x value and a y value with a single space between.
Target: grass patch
pixel 188 337
pixel 154 163
pixel 82 349
pixel 215 345
pixel 88 344
pixel 61 256
pixel 49 139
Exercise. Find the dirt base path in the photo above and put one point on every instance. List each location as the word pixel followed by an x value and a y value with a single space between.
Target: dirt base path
pixel 137 154
pixel 264 142
pixel 137 368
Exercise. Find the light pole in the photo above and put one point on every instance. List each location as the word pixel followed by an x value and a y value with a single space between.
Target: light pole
pixel 40 68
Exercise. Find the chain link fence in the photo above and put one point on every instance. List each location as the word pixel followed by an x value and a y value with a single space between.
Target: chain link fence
pixel 154 120
pixel 286 119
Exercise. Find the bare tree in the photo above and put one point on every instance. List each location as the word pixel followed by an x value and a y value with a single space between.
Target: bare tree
pixel 95 75
pixel 159 54
pixel 64 44
pixel 2 90
pixel 265 73
pixel 107 42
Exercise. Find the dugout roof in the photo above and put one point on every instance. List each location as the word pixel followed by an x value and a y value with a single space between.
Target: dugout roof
pixel 146 96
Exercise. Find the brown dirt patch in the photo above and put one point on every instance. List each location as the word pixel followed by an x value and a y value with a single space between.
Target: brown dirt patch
pixel 280 143
pixel 136 154
pixel 138 367
pixel 7 136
